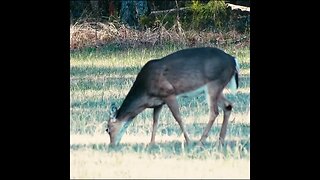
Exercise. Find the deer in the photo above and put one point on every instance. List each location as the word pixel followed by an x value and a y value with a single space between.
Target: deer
pixel 162 81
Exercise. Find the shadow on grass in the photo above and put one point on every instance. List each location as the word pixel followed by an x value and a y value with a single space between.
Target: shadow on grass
pixel 114 49
pixel 100 84
pixel 194 129
pixel 232 148
pixel 98 71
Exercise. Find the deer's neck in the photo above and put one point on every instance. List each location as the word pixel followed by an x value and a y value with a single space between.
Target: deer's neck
pixel 132 105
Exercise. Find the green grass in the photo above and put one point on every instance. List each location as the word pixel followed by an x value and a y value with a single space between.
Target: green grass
pixel 102 76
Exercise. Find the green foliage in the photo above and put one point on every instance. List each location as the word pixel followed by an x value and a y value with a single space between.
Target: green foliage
pixel 211 15
pixel 151 21
pixel 165 20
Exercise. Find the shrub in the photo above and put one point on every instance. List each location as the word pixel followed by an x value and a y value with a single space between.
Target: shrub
pixel 212 15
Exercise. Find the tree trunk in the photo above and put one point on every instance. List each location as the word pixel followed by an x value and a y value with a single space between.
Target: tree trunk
pixel 141 7
pixel 132 10
pixel 111 8
pixel 71 18
pixel 126 12
pixel 95 7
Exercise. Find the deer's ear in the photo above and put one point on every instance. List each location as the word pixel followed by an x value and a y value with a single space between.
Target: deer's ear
pixel 113 111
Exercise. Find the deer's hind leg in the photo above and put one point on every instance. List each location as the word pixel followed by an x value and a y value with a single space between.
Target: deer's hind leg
pixel 226 106
pixel 213 94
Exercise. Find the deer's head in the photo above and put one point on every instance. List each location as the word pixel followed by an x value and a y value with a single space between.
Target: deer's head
pixel 116 127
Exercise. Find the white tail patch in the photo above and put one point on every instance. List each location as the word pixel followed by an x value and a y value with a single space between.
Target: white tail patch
pixel 232 85
pixel 237 65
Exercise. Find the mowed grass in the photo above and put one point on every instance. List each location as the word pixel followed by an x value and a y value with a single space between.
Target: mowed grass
pixel 99 77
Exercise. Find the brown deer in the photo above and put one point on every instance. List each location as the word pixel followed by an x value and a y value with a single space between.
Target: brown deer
pixel 160 81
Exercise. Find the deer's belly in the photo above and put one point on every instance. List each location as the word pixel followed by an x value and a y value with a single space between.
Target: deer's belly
pixel 194 93
pixel 154 102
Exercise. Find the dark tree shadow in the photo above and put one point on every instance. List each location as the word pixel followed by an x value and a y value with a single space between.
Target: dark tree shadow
pixel 239 147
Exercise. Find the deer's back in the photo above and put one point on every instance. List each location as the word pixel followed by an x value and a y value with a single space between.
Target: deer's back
pixel 185 70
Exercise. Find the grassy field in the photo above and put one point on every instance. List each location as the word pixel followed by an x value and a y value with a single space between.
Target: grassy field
pixel 99 77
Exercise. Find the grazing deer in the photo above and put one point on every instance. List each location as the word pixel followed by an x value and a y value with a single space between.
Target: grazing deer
pixel 160 81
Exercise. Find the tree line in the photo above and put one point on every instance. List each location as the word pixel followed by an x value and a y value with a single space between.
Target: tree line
pixel 130 12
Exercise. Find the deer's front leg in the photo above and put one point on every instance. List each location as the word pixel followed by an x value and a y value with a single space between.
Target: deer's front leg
pixel 173 105
pixel 156 113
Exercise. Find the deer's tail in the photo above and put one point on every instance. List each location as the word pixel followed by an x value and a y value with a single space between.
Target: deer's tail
pixel 234 82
